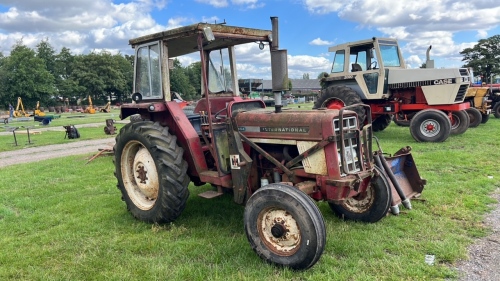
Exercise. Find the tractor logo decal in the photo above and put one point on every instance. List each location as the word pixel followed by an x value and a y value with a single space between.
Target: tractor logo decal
pixel 293 130
pixel 413 84
pixel 235 161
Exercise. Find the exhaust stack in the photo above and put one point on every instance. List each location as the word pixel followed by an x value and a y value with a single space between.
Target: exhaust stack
pixel 279 67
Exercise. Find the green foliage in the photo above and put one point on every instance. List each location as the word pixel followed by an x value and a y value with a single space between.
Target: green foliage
pixel 305 76
pixel 484 57
pixel 51 78
pixel 180 81
pixel 25 75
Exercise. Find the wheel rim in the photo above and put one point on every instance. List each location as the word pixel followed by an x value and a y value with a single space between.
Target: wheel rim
pixel 455 121
pixel 334 104
pixel 430 128
pixel 360 203
pixel 139 174
pixel 279 231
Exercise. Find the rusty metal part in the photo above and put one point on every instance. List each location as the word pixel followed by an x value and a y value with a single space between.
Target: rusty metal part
pixel 140 177
pixel 279 231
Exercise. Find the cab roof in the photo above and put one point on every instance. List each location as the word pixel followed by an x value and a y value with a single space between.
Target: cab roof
pixel 183 40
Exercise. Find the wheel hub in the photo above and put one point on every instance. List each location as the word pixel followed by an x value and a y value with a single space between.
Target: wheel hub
pixel 279 231
pixel 430 128
pixel 143 163
pixel 334 104
pixel 139 175
pixel 361 202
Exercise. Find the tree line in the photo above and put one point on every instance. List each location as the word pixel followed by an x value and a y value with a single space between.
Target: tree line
pixel 42 74
pixel 62 78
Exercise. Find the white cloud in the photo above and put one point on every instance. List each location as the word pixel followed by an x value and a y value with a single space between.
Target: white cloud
pixel 320 42
pixel 215 3
pixel 417 23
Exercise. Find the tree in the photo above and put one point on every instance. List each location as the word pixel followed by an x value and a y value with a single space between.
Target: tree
pixel 484 57
pixel 321 76
pixel 305 76
pixel 193 72
pixel 26 76
pixel 180 83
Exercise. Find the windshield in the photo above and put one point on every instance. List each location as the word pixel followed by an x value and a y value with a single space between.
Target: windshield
pixel 219 73
pixel 148 75
pixel 390 55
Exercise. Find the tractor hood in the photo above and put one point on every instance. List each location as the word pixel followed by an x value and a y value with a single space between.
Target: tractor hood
pixel 440 86
pixel 290 125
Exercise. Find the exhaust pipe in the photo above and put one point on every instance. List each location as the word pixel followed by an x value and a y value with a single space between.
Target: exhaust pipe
pixel 279 67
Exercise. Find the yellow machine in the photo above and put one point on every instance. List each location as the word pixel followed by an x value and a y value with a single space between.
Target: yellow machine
pixel 21 113
pixel 106 108
pixel 90 109
pixel 38 112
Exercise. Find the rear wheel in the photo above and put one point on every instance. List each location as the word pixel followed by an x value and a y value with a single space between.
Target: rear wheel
pixel 430 125
pixel 474 117
pixel 284 226
pixel 337 97
pixel 369 206
pixel 151 172
pixel 381 122
pixel 459 122
pixel 484 118
pixel 496 109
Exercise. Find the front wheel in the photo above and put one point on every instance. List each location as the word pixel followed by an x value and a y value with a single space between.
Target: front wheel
pixel 430 125
pixel 459 122
pixel 284 226
pixel 381 122
pixel 151 172
pixel 474 116
pixel 369 206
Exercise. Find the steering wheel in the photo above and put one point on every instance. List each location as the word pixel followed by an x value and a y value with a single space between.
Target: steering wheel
pixel 373 65
pixel 218 116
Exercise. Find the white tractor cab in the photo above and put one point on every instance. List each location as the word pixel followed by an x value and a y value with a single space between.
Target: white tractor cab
pixel 373 71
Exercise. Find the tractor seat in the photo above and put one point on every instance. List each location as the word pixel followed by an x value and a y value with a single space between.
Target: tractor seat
pixel 356 67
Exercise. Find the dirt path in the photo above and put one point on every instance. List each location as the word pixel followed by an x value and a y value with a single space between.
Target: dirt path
pixel 35 154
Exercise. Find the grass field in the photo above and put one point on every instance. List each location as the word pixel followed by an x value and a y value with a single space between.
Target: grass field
pixel 54 132
pixel 63 220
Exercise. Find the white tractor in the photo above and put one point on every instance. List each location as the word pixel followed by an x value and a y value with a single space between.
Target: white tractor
pixel 373 71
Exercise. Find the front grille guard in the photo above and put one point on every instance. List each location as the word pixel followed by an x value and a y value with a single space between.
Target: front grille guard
pixel 362 144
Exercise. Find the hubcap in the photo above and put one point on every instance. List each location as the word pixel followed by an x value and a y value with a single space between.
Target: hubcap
pixel 279 231
pixel 139 174
pixel 430 128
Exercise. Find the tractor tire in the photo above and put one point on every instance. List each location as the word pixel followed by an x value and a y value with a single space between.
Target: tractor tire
pixel 474 116
pixel 496 110
pixel 370 206
pixel 430 125
pixel 485 118
pixel 459 122
pixel 336 97
pixel 284 226
pixel 151 172
pixel 381 122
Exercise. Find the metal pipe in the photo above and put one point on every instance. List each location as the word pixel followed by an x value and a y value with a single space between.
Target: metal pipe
pixel 406 202
pixel 378 163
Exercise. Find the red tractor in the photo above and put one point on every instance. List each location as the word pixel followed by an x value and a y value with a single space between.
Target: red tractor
pixel 275 162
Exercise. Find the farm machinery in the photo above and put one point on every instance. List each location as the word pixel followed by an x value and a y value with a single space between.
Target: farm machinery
pixel 275 162
pixel 373 72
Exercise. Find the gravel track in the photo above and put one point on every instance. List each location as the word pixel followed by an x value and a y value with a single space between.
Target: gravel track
pixel 35 154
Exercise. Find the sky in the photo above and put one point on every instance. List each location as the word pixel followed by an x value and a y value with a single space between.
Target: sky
pixel 306 27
